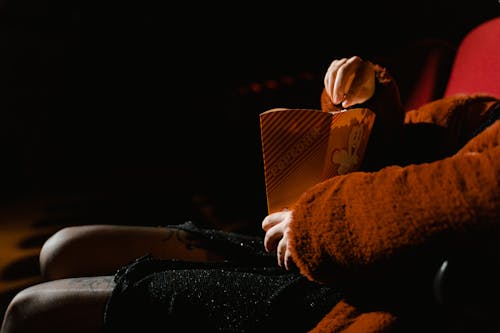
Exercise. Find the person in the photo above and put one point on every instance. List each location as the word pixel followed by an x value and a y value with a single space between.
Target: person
pixel 351 255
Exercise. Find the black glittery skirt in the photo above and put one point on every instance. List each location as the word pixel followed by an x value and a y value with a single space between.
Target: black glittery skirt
pixel 248 292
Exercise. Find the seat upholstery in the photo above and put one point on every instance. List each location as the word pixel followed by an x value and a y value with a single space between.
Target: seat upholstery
pixel 476 68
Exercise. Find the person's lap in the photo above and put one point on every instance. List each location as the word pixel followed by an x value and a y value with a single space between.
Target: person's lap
pixel 215 297
pixel 77 302
pixel 79 263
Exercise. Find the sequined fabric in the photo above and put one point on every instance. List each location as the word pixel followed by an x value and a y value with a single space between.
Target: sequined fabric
pixel 247 293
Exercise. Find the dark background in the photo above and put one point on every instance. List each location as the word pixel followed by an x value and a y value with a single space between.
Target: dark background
pixel 150 105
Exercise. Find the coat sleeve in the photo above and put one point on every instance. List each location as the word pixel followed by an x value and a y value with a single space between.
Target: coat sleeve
pixel 360 220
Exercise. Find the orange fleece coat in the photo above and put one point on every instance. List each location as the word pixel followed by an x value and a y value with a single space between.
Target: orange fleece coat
pixel 425 188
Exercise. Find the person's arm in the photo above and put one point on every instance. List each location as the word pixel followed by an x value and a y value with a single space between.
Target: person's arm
pixel 440 128
pixel 357 221
pixel 352 222
pixel 350 83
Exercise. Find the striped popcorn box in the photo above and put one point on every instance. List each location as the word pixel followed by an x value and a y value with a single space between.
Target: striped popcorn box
pixel 302 147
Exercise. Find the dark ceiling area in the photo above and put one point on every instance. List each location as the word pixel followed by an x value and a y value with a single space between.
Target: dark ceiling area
pixel 145 97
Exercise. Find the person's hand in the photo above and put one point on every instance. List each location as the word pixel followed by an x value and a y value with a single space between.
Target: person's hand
pixel 277 225
pixel 350 81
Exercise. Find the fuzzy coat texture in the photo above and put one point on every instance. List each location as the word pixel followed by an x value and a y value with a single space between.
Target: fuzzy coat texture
pixel 425 189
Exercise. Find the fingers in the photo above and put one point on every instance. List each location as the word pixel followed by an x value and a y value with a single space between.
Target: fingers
pixel 330 79
pixel 362 87
pixel 339 77
pixel 345 77
pixel 273 237
pixel 275 218
pixel 271 220
pixel 350 81
pixel 275 225
pixel 283 254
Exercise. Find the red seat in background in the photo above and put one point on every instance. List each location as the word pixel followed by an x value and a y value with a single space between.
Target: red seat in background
pixel 430 69
pixel 476 68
